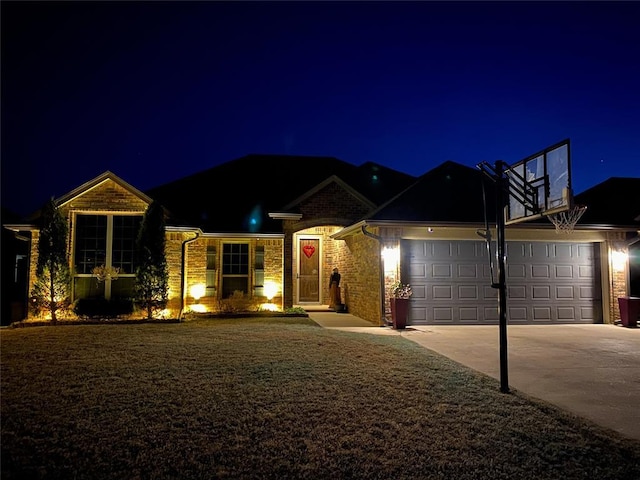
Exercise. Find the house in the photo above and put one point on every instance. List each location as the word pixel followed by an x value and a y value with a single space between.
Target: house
pixel 274 227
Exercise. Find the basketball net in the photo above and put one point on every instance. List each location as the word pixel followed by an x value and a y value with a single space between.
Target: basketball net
pixel 566 221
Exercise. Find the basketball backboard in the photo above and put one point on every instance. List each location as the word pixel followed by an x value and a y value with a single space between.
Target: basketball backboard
pixel 540 184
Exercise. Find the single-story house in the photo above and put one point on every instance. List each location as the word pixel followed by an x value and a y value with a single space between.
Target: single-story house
pixel 274 227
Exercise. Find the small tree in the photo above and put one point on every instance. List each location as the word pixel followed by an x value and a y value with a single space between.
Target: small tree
pixel 152 278
pixel 53 277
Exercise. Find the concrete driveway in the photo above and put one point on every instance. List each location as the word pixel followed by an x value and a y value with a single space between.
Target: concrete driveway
pixel 589 370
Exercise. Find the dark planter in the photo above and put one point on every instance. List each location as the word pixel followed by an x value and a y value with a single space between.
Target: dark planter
pixel 629 311
pixel 399 312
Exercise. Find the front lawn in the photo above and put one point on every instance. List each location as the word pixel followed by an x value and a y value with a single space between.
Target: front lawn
pixel 274 398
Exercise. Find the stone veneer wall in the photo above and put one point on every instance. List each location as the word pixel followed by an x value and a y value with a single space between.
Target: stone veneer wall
pixel 618 279
pixel 173 254
pixel 362 285
pixel 196 266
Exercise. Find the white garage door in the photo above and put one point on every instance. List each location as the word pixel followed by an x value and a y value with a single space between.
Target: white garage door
pixel 547 283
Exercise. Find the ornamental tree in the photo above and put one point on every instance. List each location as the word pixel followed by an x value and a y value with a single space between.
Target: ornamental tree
pixel 152 277
pixel 53 277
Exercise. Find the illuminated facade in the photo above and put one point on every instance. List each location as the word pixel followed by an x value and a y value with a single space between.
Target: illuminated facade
pixel 281 253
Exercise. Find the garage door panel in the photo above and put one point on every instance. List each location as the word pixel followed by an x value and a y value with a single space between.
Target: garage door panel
pixel 547 282
pixel 540 271
pixel 490 314
pixel 418 270
pixel 587 313
pixel 441 271
pixel 541 314
pixel 517 313
pixel 468 292
pixel 566 313
pixel 442 292
pixel 443 314
pixel 564 271
pixel 515 292
pixel 467 271
pixel 585 271
pixel 516 271
pixel 564 292
pixel 586 293
pixel 469 315
pixel 489 293
pixel 441 250
pixel 541 292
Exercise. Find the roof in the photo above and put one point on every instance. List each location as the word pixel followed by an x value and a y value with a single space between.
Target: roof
pixel 238 195
pixel 449 193
pixel 453 193
pixel 614 202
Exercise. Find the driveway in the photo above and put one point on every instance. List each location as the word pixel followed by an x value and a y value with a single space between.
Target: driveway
pixel 589 370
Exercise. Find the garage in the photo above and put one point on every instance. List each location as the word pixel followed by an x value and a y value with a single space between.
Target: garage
pixel 547 282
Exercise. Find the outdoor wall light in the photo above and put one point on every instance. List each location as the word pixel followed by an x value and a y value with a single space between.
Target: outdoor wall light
pixel 197 291
pixel 391 258
pixel 619 260
pixel 270 290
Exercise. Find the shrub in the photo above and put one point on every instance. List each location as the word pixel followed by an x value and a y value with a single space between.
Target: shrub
pixel 237 302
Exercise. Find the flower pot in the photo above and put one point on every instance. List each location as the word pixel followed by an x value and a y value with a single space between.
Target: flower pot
pixel 399 312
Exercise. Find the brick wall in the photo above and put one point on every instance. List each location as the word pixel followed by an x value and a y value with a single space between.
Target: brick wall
pixel 333 202
pixel 106 197
pixel 618 275
pixel 362 285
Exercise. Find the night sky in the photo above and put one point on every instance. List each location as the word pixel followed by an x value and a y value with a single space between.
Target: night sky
pixel 156 91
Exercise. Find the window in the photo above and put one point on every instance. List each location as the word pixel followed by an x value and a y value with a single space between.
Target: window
pixel 91 242
pixel 258 288
pixel 211 271
pixel 235 268
pixel 125 232
pixel 108 240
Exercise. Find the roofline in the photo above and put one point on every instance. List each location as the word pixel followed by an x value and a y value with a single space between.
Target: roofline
pixel 175 229
pixel 357 227
pixel 323 184
pixel 21 227
pixel 91 184
pixel 285 216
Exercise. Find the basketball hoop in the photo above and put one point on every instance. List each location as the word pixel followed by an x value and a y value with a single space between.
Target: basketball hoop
pixel 566 221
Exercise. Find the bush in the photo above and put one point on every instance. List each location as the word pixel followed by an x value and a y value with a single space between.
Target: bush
pixel 238 302
pixel 103 308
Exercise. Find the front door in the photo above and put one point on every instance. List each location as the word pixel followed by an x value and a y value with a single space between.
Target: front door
pixel 308 270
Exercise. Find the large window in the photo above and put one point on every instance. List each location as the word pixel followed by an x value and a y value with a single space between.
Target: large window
pixel 108 240
pixel 125 232
pixel 235 268
pixel 91 243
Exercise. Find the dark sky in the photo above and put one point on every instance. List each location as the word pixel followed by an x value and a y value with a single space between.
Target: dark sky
pixel 154 91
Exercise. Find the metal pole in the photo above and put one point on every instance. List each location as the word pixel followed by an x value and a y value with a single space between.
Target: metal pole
pixel 501 185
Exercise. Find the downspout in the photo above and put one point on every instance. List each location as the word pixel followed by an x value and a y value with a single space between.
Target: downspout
pixel 381 283
pixel 183 269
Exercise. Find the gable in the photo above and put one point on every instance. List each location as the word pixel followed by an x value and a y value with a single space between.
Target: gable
pixel 105 193
pixel 333 201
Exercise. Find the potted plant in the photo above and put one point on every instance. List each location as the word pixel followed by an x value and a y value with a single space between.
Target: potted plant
pixel 399 300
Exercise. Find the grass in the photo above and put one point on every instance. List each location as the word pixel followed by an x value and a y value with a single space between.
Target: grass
pixel 276 398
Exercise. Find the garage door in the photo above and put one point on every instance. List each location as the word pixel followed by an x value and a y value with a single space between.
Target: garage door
pixel 547 283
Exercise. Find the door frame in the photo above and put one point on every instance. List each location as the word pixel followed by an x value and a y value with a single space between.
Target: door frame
pixel 298 239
